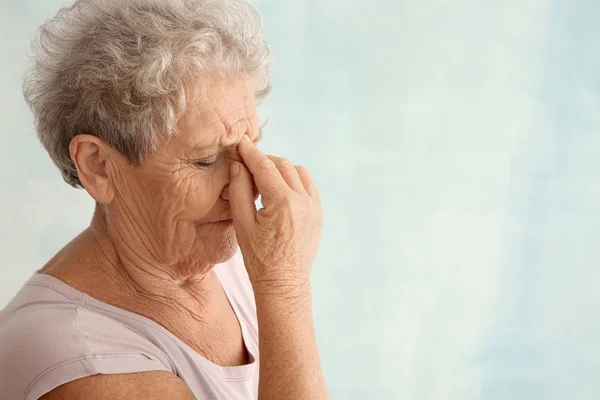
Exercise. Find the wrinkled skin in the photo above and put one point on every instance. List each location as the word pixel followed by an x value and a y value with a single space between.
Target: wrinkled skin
pixel 280 241
pixel 165 208
pixel 153 240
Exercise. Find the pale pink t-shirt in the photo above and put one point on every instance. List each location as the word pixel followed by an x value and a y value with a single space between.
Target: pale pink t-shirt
pixel 51 334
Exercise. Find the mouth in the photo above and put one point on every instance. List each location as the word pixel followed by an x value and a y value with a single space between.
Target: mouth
pixel 222 222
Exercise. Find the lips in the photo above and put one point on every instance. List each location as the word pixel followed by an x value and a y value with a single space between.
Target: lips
pixel 222 221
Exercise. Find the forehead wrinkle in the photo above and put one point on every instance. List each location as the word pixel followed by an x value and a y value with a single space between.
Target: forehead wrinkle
pixel 228 131
pixel 220 120
pixel 203 131
pixel 227 121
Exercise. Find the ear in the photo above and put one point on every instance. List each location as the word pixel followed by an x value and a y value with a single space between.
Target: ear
pixel 92 157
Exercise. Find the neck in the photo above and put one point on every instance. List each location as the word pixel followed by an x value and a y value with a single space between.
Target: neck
pixel 162 290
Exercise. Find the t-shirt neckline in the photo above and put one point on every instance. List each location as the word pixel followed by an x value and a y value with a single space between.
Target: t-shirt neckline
pixel 235 373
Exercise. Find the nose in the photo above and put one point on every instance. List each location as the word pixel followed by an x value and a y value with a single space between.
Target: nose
pixel 225 193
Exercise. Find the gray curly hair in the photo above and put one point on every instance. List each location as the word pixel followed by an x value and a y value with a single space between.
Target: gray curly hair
pixel 123 70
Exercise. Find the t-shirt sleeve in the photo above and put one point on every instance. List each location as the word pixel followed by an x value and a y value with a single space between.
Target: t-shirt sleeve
pixel 42 349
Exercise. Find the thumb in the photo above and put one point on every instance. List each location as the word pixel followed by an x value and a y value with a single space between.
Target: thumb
pixel 241 198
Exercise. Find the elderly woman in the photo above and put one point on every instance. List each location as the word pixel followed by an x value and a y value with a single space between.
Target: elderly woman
pixel 150 106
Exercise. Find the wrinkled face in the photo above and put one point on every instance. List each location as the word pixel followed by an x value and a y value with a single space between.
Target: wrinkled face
pixel 173 202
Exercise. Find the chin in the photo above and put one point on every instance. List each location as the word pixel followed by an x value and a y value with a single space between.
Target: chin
pixel 220 248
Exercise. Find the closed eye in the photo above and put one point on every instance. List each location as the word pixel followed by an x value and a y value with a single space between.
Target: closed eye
pixel 230 152
pixel 202 164
pixel 224 155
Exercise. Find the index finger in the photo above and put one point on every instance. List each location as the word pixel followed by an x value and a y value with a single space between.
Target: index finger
pixel 267 177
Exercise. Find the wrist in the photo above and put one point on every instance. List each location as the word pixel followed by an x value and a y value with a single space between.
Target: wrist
pixel 282 288
pixel 283 296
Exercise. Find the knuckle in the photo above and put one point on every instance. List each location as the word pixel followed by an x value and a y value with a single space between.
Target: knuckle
pixel 265 164
pixel 286 163
pixel 305 174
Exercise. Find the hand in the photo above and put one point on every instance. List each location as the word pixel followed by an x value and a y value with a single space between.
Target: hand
pixel 279 242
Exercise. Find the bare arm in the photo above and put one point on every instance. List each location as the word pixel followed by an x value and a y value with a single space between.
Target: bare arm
pixel 279 243
pixel 154 385
pixel 289 359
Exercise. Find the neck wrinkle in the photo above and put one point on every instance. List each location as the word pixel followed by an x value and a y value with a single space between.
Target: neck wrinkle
pixel 157 289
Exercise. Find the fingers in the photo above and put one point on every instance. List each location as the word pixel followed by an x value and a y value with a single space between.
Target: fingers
pixel 274 175
pixel 307 181
pixel 289 173
pixel 241 198
pixel 269 181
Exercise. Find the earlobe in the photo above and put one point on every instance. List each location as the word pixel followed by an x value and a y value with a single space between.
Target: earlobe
pixel 90 156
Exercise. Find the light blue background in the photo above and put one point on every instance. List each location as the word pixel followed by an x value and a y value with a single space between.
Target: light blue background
pixel 457 147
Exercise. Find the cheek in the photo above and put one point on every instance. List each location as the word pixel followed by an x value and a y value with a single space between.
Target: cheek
pixel 202 190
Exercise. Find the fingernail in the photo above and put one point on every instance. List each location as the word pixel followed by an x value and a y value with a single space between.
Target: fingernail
pixel 247 139
pixel 235 169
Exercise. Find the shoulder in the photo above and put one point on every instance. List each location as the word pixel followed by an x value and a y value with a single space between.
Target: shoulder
pixel 153 385
pixel 45 343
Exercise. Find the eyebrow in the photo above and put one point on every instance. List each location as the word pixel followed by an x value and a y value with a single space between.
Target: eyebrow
pixel 227 147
